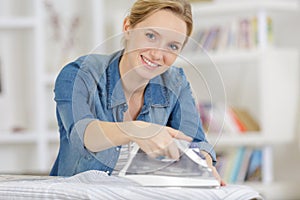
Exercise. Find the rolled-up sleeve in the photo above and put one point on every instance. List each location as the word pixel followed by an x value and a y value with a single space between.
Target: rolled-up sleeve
pixel 71 96
pixel 185 117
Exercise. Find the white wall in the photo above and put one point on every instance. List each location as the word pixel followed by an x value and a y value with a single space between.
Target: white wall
pixel 287 159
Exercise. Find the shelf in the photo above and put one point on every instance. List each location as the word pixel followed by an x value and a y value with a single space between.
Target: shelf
pixel 45 143
pixel 218 8
pixel 221 57
pixel 230 56
pixel 18 138
pixel 17 23
pixel 246 139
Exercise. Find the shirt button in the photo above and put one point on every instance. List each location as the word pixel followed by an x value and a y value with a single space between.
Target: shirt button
pixel 117 148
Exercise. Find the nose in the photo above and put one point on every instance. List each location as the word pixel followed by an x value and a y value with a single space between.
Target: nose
pixel 156 54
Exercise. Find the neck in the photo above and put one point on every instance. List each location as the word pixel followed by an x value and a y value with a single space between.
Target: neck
pixel 132 83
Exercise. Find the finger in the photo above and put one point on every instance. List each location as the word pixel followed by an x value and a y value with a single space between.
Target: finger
pixel 153 154
pixel 218 177
pixel 168 154
pixel 153 150
pixel 178 134
pixel 165 151
pixel 145 147
pixel 223 183
pixel 172 151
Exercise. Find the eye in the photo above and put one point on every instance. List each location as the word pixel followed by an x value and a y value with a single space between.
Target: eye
pixel 174 47
pixel 151 36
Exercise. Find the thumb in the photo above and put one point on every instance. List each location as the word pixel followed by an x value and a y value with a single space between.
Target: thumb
pixel 178 134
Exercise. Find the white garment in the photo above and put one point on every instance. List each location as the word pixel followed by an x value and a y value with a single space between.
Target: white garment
pixel 123 157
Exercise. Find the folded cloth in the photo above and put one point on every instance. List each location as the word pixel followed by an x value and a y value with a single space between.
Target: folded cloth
pixel 98 185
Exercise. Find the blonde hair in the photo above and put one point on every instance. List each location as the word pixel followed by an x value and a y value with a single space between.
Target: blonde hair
pixel 141 9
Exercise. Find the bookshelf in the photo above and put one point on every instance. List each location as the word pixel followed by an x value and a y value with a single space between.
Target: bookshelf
pixel 20 138
pixel 262 78
pixel 25 33
pixel 28 134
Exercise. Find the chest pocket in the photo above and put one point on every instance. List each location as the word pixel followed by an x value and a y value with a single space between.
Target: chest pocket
pixel 159 115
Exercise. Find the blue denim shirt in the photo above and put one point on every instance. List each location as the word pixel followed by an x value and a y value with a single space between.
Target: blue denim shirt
pixel 90 88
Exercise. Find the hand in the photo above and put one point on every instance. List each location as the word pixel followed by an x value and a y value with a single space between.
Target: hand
pixel 158 140
pixel 213 168
pixel 218 177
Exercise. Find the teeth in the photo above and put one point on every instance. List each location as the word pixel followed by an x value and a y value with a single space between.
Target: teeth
pixel 150 63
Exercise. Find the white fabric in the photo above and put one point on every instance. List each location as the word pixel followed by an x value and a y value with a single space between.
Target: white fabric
pixel 98 185
pixel 123 157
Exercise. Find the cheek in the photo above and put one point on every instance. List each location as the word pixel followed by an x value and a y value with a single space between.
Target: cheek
pixel 170 58
pixel 136 42
pixel 131 42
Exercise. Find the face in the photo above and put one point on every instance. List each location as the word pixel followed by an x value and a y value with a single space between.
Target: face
pixel 153 45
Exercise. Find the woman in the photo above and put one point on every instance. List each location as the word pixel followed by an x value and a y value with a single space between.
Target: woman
pixel 105 102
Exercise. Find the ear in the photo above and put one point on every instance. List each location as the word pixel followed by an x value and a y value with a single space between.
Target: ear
pixel 126 27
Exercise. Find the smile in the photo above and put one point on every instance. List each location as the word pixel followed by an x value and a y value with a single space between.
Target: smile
pixel 149 63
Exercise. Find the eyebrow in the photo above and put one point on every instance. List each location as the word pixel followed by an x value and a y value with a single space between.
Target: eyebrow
pixel 153 30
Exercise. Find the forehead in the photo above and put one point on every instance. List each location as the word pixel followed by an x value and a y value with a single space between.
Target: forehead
pixel 165 20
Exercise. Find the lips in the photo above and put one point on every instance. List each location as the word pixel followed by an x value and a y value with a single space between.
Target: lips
pixel 149 64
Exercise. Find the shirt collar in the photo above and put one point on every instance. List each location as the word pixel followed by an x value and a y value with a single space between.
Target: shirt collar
pixel 114 84
pixel 156 93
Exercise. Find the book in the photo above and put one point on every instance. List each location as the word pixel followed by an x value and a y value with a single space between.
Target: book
pixel 246 119
pixel 213 118
pixel 229 155
pixel 219 117
pixel 190 170
pixel 254 172
pixel 236 120
pixel 237 164
pixel 244 166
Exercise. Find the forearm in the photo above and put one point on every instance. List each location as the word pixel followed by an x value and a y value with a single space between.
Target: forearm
pixel 101 135
pixel 152 138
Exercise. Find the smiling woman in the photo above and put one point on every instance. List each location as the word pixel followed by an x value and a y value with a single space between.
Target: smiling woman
pixel 107 102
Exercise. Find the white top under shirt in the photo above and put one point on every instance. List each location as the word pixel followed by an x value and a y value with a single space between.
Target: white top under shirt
pixel 123 158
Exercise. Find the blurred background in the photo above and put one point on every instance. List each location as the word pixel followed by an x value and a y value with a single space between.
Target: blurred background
pixel 242 61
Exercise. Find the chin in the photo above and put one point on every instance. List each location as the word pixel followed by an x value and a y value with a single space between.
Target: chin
pixel 146 74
